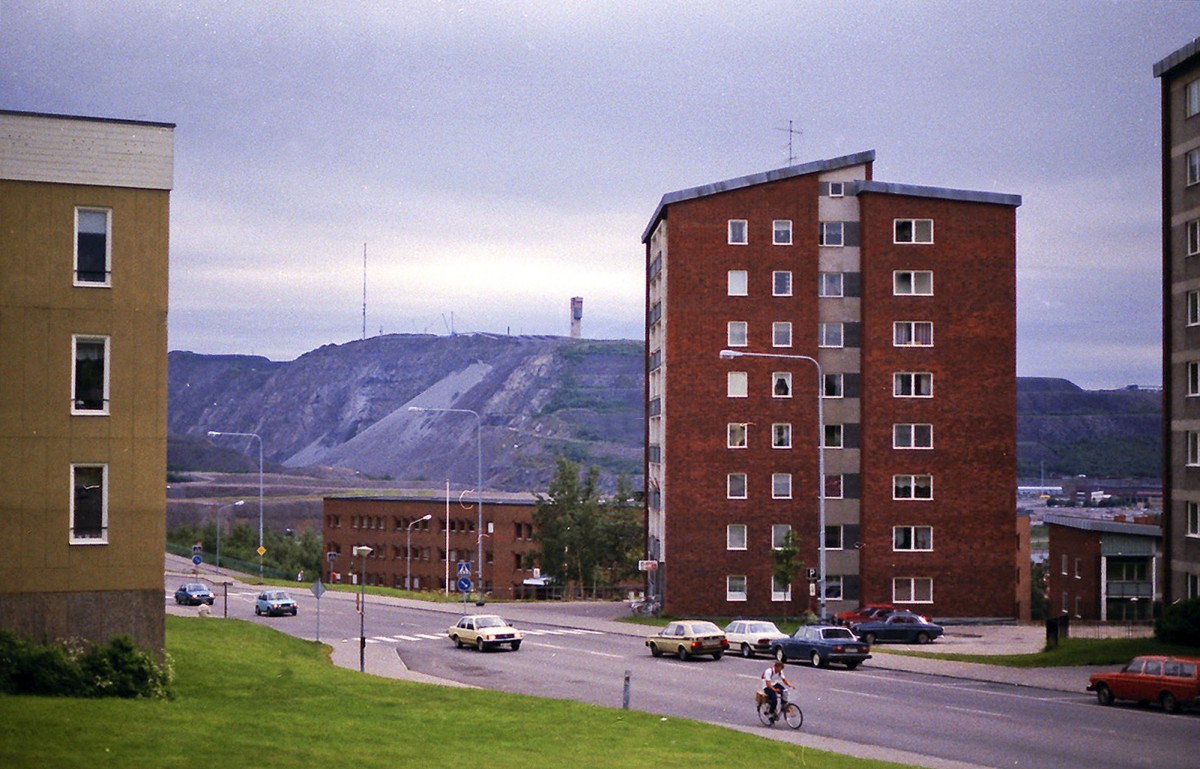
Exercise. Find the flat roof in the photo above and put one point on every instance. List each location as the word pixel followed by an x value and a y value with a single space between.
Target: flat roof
pixel 1175 58
pixel 1103 525
pixel 941 193
pixel 87 117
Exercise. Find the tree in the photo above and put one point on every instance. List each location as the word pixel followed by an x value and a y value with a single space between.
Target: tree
pixel 784 565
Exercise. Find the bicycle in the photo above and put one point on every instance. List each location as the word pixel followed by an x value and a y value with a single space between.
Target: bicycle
pixel 793 716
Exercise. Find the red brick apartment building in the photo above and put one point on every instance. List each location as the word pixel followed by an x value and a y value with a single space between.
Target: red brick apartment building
pixel 438 544
pixel 906 298
pixel 1103 569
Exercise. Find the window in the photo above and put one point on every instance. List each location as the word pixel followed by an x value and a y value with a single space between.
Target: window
pixel 1078 568
pixel 738 283
pixel 779 535
pixel 737 435
pixel 782 387
pixel 829 335
pixel 913 231
pixel 836 190
pixel 1193 377
pixel 735 536
pixel 912 538
pixel 737 333
pixel 1065 561
pixel 89 391
pixel 909 384
pixel 1193 448
pixel 1191 98
pixel 831 234
pixel 912 282
pixel 912 436
pixel 1193 308
pixel 781 283
pixel 833 436
pixel 912 590
pixel 93 234
pixel 781 435
pixel 89 504
pixel 1193 237
pixel 781 486
pixel 735 587
pixel 912 333
pixel 1193 167
pixel 912 487
pixel 833 487
pixel 737 385
pixel 834 386
pixel 1193 585
pixel 833 587
pixel 833 537
pixel 781 334
pixel 780 590
pixel 736 486
pixel 737 232
pixel 1192 510
pixel 829 284
pixel 781 232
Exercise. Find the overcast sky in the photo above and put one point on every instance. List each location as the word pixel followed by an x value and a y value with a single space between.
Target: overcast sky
pixel 499 158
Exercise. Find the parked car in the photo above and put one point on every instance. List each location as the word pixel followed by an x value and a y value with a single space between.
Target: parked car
pixel 1170 681
pixel 899 626
pixel 194 594
pixel 485 631
pixel 752 636
pixel 272 602
pixel 687 638
pixel 821 645
pixel 868 612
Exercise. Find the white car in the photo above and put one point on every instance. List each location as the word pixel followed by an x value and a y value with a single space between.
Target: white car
pixel 485 631
pixel 752 636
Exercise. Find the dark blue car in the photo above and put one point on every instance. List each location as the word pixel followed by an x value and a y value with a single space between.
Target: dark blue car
pixel 901 627
pixel 821 645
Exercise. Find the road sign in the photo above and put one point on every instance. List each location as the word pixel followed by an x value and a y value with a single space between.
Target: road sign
pixel 262 550
pixel 197 549
pixel 317 589
pixel 464 584
pixel 464 568
pixel 812 575
pixel 331 556
pixel 647 565
pixel 197 560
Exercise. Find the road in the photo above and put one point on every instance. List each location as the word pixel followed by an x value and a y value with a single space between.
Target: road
pixel 933 721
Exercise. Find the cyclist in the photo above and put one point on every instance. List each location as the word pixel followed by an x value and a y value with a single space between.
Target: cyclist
pixel 773 682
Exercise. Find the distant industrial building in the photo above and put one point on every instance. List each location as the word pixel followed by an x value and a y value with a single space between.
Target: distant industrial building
pixel 84 209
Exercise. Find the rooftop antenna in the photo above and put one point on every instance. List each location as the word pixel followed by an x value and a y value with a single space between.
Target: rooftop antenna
pixel 791 161
pixel 364 327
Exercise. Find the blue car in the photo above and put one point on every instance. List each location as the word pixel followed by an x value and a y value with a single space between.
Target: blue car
pixel 194 594
pixel 822 645
pixel 273 602
pixel 899 626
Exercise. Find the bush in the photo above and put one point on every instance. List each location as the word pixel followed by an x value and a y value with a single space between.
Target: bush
pixel 116 669
pixel 1180 623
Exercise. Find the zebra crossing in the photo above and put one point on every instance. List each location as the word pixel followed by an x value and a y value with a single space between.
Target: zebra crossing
pixel 411 637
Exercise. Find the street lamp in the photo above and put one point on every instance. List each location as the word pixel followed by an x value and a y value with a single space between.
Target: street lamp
pixel 729 354
pixel 215 433
pixel 361 552
pixel 408 552
pixel 478 486
pixel 239 503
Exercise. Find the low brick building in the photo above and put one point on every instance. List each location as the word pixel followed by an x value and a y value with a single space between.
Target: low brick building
pixel 1103 569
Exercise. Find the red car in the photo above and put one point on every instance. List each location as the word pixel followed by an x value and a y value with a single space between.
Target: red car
pixel 865 613
pixel 1170 681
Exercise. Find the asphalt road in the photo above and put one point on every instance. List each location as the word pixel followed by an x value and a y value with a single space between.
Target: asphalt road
pixel 929 720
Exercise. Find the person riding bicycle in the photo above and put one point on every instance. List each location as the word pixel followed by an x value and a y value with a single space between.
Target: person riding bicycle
pixel 773 681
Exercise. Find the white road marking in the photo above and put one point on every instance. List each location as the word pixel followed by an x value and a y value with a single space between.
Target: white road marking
pixel 580 651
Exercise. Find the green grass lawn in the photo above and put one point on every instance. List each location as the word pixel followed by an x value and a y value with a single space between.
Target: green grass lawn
pixel 1073 651
pixel 248 696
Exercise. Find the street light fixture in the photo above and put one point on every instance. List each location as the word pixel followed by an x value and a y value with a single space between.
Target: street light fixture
pixel 729 354
pixel 408 552
pixel 215 433
pixel 478 486
pixel 361 552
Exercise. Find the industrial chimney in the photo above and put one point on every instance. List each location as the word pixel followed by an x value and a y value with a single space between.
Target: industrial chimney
pixel 576 316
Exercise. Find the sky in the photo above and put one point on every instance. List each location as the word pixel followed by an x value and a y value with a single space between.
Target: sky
pixel 494 159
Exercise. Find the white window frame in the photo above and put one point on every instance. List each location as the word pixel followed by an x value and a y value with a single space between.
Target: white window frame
pixel 1193 585
pixel 781 435
pixel 832 234
pixel 835 436
pixel 912 590
pixel 739 232
pixel 732 481
pixel 909 481
pixel 779 532
pixel 1193 448
pixel 778 378
pixel 912 384
pixel 737 333
pixel 1193 308
pixel 737 435
pixel 781 485
pixel 1191 99
pixel 1192 159
pixel 735 587
pixel 737 384
pixel 908 435
pixel 834 386
pixel 737 283
pixel 915 544
pixel 920 231
pixel 835 486
pixel 781 232
pixel 102 537
pixel 776 277
pixel 780 592
pixel 831 285
pixel 735 536
pixel 781 333
pixel 76 340
pixel 831 334
pixel 836 190
pixel 1193 378
pixel 912 277
pixel 1193 237
pixel 838 541
pixel 107 281
pixel 912 333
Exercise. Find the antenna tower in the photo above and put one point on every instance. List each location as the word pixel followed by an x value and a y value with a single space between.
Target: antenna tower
pixel 791 161
pixel 364 327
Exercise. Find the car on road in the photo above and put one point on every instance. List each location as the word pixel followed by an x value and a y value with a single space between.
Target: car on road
pixel 273 602
pixel 898 626
pixel 194 594
pixel 822 645
pixel 485 631
pixel 1172 682
pixel 865 613
pixel 752 636
pixel 688 638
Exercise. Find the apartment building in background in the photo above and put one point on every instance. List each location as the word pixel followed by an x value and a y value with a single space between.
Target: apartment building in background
pixel 84 210
pixel 1179 75
pixel 1103 569
pixel 904 298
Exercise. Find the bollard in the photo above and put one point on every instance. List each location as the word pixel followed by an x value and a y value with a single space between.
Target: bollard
pixel 625 693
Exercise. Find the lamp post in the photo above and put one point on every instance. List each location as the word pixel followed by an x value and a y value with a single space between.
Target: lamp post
pixel 215 433
pixel 478 486
pixel 729 354
pixel 361 552
pixel 408 552
pixel 239 503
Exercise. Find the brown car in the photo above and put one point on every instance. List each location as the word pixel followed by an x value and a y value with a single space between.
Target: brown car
pixel 1170 681
pixel 687 638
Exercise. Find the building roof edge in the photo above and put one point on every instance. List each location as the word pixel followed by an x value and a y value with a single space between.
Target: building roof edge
pixel 944 193
pixel 1176 57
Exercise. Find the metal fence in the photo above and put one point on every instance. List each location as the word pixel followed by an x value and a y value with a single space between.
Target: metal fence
pixel 249 567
